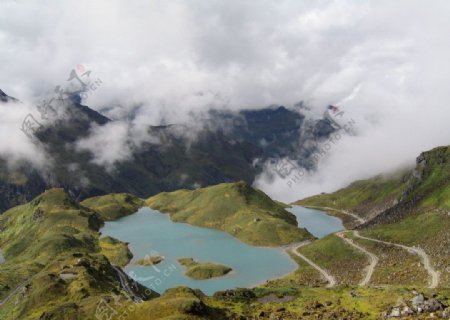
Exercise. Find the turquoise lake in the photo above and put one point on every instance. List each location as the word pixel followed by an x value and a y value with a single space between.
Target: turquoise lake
pixel 150 232
pixel 317 222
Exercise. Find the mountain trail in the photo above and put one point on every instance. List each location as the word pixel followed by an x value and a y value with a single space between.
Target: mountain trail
pixel 434 275
pixel 372 258
pixel 331 280
pixel 125 283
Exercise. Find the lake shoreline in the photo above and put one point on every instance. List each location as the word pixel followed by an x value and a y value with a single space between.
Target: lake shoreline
pixel 150 231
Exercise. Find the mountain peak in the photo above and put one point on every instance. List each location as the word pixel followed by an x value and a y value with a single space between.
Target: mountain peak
pixel 5 98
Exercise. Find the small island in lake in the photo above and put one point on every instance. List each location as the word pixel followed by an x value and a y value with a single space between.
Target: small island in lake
pixel 150 260
pixel 203 270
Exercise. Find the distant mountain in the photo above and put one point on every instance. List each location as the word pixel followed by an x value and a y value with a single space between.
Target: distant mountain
pixel 225 150
pixel 5 98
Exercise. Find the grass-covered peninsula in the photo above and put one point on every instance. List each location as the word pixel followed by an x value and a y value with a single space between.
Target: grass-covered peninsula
pixel 236 208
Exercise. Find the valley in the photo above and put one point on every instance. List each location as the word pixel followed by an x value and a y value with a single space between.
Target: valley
pixel 64 257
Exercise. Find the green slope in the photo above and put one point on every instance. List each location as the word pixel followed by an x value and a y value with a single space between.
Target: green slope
pixel 425 186
pixel 342 261
pixel 236 208
pixel 114 206
pixel 366 198
pixel 430 181
pixel 416 211
pixel 54 243
pixel 54 260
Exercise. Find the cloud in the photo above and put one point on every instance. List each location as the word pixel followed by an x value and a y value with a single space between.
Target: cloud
pixel 114 142
pixel 162 61
pixel 15 145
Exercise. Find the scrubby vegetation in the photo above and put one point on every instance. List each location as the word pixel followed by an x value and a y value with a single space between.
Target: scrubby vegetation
pixel 236 208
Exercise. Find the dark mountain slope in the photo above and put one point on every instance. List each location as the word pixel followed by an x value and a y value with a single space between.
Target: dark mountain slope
pixel 224 150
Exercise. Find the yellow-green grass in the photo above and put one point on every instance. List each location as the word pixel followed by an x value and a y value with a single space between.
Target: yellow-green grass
pixel 115 250
pixel 236 208
pixel 429 230
pixel 341 260
pixel 363 197
pixel 203 270
pixel 35 233
pixel 396 266
pixel 114 206
pixel 342 302
pixel 61 238
pixel 431 181
pixel 51 246
pixel 305 275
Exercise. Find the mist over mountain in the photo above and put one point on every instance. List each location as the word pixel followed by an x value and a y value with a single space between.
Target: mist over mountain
pixel 89 154
pixel 170 63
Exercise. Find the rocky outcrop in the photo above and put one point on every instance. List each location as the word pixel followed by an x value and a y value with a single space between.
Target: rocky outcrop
pixel 418 305
pixel 430 174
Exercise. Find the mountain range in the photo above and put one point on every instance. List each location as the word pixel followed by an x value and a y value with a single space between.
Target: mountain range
pixel 230 146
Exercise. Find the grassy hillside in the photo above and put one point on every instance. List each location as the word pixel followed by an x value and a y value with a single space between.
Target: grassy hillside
pixel 114 206
pixel 366 198
pixel 430 182
pixel 417 214
pixel 54 263
pixel 116 251
pixel 62 270
pixel 236 208
pixel 428 230
pixel 426 186
pixel 342 261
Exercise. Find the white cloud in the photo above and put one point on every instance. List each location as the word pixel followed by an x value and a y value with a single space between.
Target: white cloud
pixel 108 143
pixel 170 58
pixel 115 142
pixel 15 145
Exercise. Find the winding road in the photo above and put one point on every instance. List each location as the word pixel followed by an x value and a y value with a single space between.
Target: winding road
pixel 354 216
pixel 372 258
pixel 125 283
pixel 331 280
pixel 434 275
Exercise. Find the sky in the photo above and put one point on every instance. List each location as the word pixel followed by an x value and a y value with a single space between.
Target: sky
pixel 385 63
